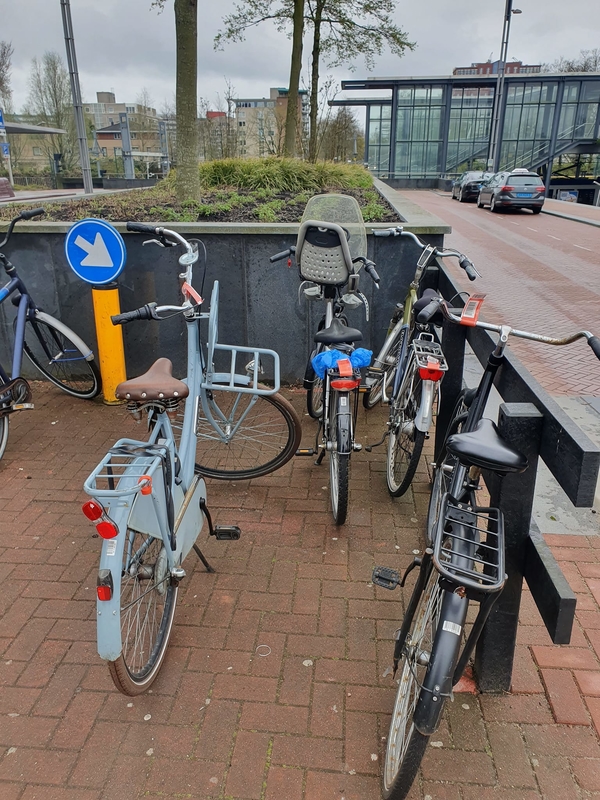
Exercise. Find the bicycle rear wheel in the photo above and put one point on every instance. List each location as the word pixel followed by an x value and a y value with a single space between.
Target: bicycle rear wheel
pixel 59 354
pixel 314 395
pixel 148 601
pixel 405 442
pixel 268 436
pixel 406 745
pixel 339 462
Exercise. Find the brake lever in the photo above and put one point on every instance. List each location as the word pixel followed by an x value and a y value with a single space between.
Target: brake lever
pixel 161 242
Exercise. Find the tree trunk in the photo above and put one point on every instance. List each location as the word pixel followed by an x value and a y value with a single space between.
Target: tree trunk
pixel 187 184
pixel 291 120
pixel 314 81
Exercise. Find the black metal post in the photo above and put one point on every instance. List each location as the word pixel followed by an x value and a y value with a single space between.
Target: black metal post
pixel 520 425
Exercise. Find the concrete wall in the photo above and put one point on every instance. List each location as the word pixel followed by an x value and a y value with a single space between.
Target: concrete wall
pixel 258 303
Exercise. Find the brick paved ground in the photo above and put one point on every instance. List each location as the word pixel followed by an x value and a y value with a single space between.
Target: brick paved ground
pixel 306 722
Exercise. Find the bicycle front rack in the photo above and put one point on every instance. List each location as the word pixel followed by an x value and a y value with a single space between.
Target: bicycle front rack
pixel 469 546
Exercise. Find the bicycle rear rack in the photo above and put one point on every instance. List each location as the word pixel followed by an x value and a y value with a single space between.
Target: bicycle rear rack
pixel 469 546
pixel 425 348
pixel 123 473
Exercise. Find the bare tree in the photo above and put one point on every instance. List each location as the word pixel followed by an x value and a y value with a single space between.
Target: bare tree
pixel 50 104
pixel 6 53
pixel 145 124
pixel 187 181
pixel 586 61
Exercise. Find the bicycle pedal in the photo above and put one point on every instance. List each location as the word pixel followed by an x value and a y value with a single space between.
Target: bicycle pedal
pixel 305 452
pixel 227 533
pixel 386 577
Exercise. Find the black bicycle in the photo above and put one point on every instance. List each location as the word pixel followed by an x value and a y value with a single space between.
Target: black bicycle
pixel 54 349
pixel 463 562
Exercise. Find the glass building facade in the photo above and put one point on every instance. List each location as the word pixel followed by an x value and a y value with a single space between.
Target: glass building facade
pixel 440 127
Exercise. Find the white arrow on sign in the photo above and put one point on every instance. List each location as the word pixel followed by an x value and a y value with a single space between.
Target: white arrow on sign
pixel 97 253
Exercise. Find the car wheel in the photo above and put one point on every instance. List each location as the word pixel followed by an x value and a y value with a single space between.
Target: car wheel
pixel 536 209
pixel 453 195
pixel 493 207
pixel 461 198
pixel 480 203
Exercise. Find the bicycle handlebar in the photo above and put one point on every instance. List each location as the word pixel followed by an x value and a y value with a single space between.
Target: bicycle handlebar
pixel 425 315
pixel 594 343
pixel 24 215
pixel 463 261
pixel 284 254
pixel 145 312
pixel 141 227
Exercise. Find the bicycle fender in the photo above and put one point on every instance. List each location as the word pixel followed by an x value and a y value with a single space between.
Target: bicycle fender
pixel 108 612
pixel 443 659
pixel 424 416
pixel 344 424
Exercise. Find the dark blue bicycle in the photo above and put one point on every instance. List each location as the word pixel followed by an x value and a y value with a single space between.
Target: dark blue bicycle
pixel 53 348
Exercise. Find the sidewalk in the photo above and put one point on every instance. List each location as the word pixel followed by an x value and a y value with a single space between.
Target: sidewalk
pixel 307 721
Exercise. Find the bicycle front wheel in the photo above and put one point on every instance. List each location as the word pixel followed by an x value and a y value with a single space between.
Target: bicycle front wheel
pixel 339 455
pixel 405 442
pixel 314 395
pixel 405 745
pixel 268 435
pixel 386 362
pixel 61 356
pixel 148 601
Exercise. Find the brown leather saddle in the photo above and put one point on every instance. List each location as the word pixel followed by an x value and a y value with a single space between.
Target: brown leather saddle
pixel 157 383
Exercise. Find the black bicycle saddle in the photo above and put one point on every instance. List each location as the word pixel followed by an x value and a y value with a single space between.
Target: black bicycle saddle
pixel 485 448
pixel 338 333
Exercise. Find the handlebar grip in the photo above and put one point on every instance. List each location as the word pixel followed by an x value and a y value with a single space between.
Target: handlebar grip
pixel 425 315
pixel 141 227
pixel 387 232
pixel 370 270
pixel 34 212
pixel 468 267
pixel 280 256
pixel 594 343
pixel 145 312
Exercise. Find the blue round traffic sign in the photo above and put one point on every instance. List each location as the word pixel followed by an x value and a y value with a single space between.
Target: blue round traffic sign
pixel 95 251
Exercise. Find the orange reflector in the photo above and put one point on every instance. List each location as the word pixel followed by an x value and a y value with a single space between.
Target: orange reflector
pixel 104 592
pixel 431 373
pixel 344 383
pixel 107 530
pixel 344 367
pixel 92 510
pixel 147 489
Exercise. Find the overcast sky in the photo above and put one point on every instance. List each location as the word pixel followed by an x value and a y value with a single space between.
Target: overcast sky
pixel 124 46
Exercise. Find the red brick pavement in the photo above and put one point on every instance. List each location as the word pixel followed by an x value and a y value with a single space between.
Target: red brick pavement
pixel 306 722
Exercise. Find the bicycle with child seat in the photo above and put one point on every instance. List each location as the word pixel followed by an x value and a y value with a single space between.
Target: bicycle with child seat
pixel 410 365
pixel 330 251
pixel 463 561
pixel 149 497
pixel 58 353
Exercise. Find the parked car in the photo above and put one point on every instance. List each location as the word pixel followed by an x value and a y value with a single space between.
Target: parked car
pixel 467 186
pixel 517 189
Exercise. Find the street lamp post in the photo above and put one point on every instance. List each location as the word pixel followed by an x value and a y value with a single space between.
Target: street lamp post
pixel 494 152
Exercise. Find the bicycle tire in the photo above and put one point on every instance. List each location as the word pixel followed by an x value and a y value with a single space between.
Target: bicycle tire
pixel 405 442
pixel 339 463
pixel 405 744
pixel 3 433
pixel 388 357
pixel 266 440
pixel 46 340
pixel 314 394
pixel 147 613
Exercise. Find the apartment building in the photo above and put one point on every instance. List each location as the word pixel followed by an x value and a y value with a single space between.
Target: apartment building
pixel 492 67
pixel 260 122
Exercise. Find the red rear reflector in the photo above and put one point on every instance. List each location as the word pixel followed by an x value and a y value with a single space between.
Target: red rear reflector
pixel 431 373
pixel 107 530
pixel 104 592
pixel 344 383
pixel 147 489
pixel 92 510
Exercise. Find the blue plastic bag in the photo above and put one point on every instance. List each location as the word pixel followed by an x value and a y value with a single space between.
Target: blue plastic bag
pixel 361 357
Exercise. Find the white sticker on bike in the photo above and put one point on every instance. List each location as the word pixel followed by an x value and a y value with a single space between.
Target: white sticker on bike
pixel 111 547
pixel 451 627
pixel 343 401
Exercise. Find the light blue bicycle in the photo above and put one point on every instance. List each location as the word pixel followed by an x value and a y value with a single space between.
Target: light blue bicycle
pixel 149 497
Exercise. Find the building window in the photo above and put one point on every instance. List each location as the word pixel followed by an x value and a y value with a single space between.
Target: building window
pixel 104 151
pixel 134 135
pixel 117 151
pixel 87 110
pixel 110 110
pixel 116 135
pixel 241 124
pixel 37 151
